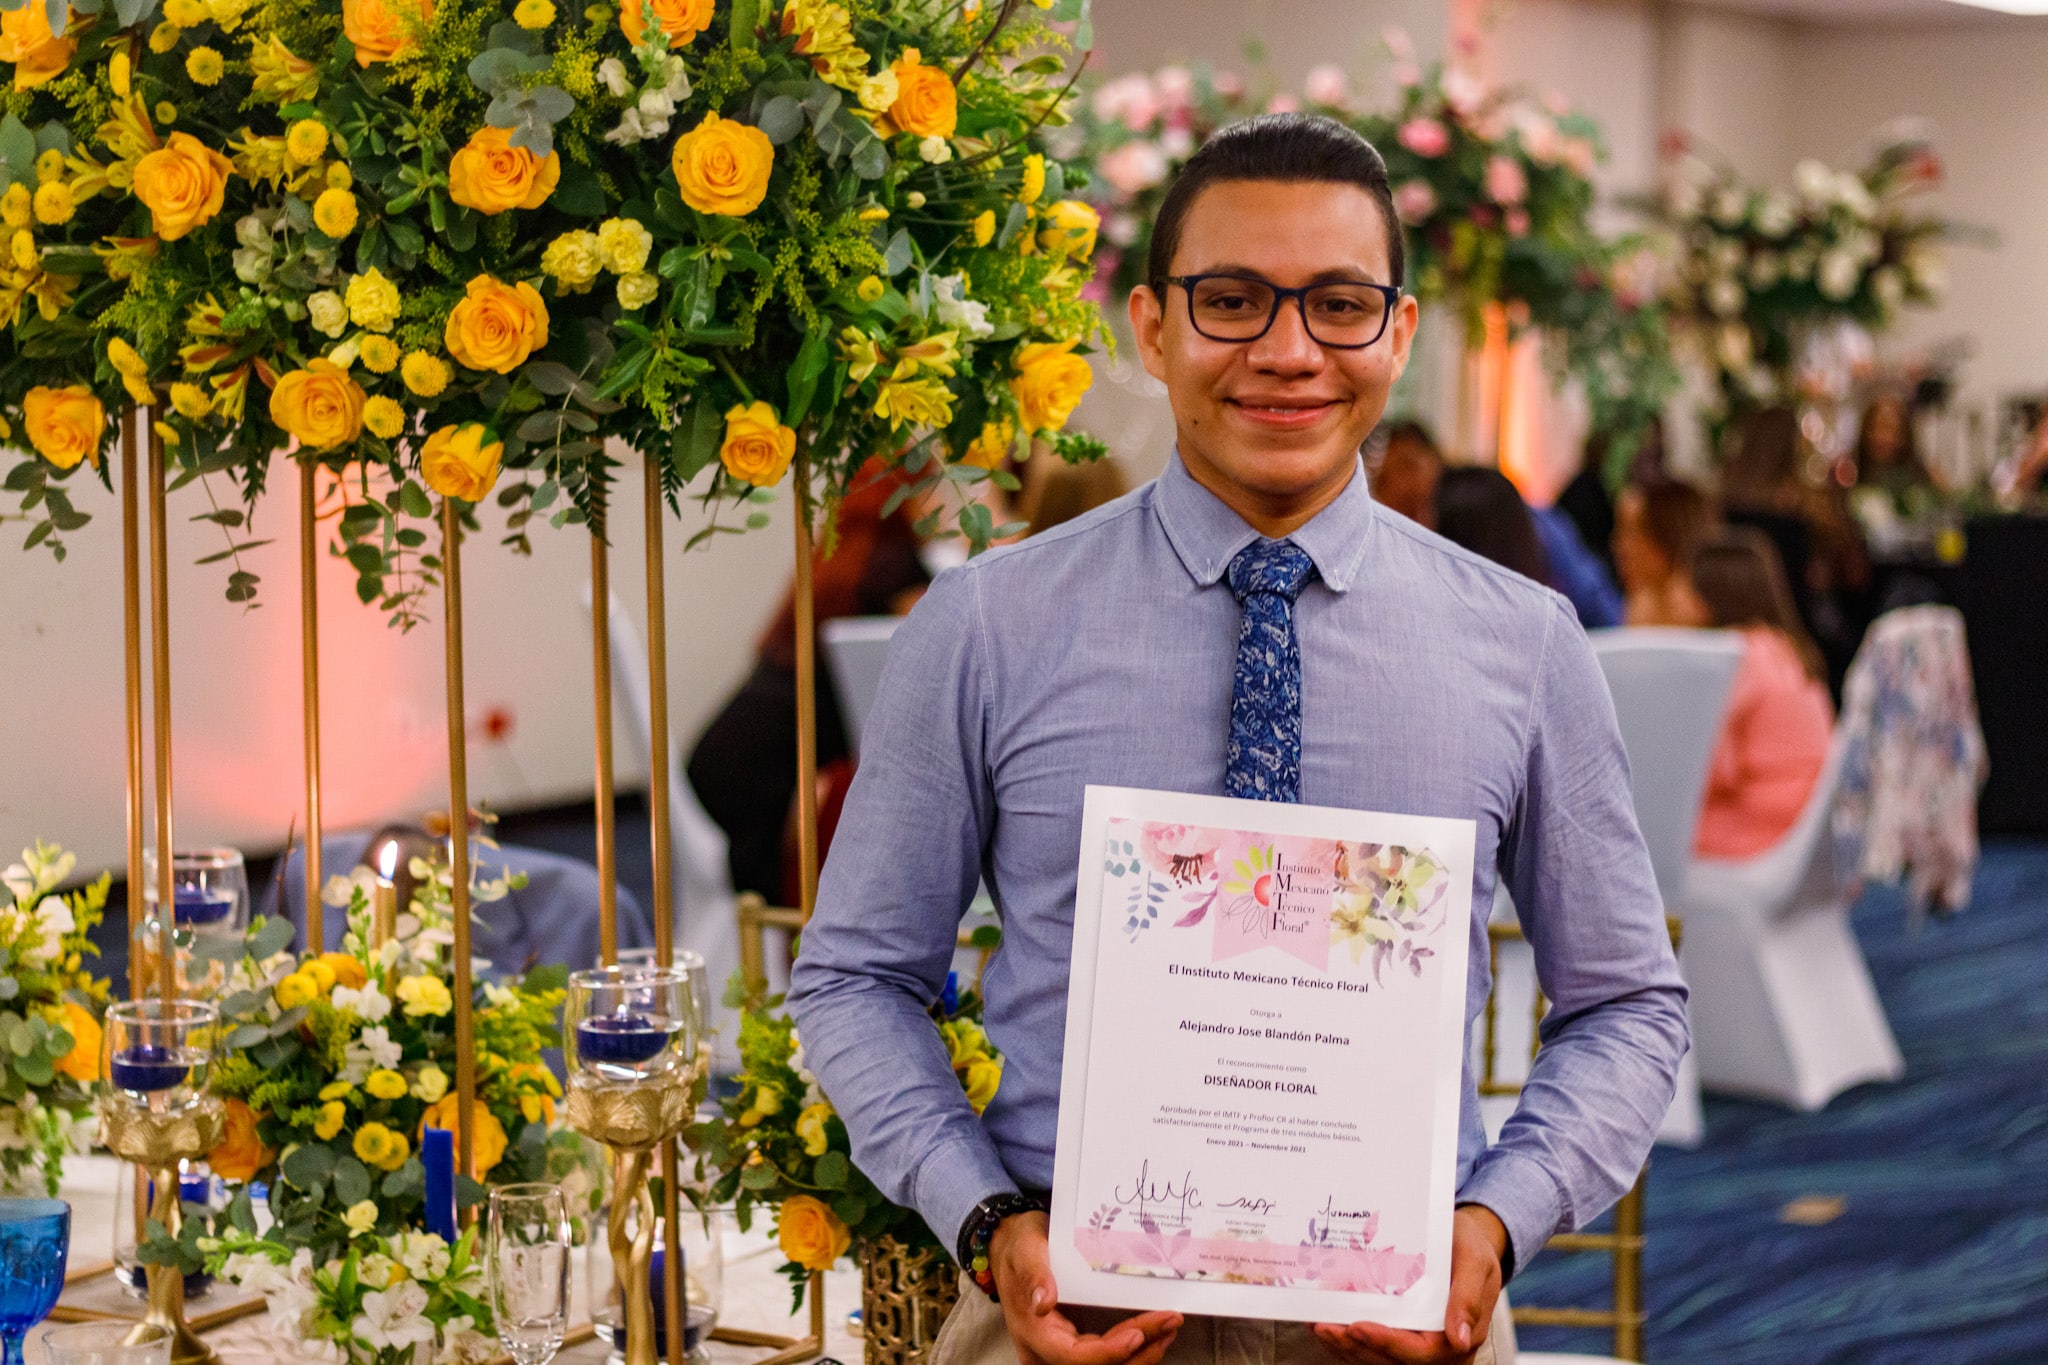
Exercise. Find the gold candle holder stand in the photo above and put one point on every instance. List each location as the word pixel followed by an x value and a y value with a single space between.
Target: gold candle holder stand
pixel 157 1143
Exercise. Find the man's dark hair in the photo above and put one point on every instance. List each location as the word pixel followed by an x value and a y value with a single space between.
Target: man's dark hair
pixel 1286 147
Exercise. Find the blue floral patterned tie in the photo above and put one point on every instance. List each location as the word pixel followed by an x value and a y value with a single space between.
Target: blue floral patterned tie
pixel 1264 762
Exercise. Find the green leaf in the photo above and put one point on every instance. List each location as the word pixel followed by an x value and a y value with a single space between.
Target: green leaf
pixel 351 1181
pixel 896 257
pixel 832 1170
pixel 409 1179
pixel 758 1177
pixel 781 118
pixel 36 1069
pixel 579 193
pixel 802 379
pixel 269 937
pixel 307 1166
pixel 696 443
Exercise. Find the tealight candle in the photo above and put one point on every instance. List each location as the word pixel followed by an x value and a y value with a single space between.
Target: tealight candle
pixel 201 905
pixel 623 1039
pixel 146 1068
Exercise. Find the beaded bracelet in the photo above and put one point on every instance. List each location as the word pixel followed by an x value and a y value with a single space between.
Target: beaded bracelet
pixel 979 1232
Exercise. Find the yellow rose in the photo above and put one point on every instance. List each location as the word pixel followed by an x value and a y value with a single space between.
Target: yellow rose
pixel 64 425
pixel 384 29
pixel 428 997
pixel 456 462
pixel 925 103
pixel 190 401
pixel 1049 383
pixel 385 1085
pixel 489 1143
pixel 347 971
pixel 981 1081
pixel 993 445
pixel 183 183
pixel 37 54
pixel 1070 227
pixel 335 212
pixel 757 448
pixel 378 1146
pixel 380 355
pixel 240 1153
pixel 424 374
pixel 305 142
pixel 82 1063
pixel 497 326
pixel 637 291
pixel 811 1234
pixel 372 301
pixel 383 417
pixel 332 1115
pixel 490 175
pixel 810 1126
pixel 681 20
pixel 320 405
pixel 361 1217
pixel 296 990
pixel 722 167
pixel 625 245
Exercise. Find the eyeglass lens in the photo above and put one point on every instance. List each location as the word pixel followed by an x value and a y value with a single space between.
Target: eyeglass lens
pixel 1229 309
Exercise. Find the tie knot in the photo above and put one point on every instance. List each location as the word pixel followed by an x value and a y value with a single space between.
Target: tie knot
pixel 1279 567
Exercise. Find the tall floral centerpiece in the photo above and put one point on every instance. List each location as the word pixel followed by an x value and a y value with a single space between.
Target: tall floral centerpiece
pixel 1756 271
pixel 442 248
pixel 50 1008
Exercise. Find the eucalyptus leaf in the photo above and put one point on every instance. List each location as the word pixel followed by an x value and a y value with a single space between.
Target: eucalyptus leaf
pixel 307 1166
pixel 781 118
pixel 550 377
pixel 896 256
pixel 351 1181
pixel 870 158
pixel 832 1170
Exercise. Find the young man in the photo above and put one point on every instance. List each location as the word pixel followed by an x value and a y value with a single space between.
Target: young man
pixel 1414 678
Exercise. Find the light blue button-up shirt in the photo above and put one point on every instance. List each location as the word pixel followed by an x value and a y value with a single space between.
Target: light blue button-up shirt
pixel 1433 683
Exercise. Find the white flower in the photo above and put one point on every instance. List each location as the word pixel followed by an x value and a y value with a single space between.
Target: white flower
pixel 655 105
pixel 1730 206
pixel 1725 297
pixel 935 150
pixel 379 1271
pixel 252 264
pixel 1815 182
pixel 630 129
pixel 675 78
pixel 367 1003
pixel 344 355
pixel 1888 283
pixel 612 72
pixel 329 313
pixel 341 888
pixel 1852 194
pixel 637 290
pixel 393 1319
pixel 360 1217
pixel 880 90
pixel 373 1050
pixel 423 1254
pixel 958 312
pixel 1838 274
pixel 462 1344
pixel 1774 215
pixel 53 917
pixel 499 995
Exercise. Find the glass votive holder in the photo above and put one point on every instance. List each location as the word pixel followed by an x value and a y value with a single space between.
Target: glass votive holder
pixel 627 1024
pixel 210 897
pixel 691 964
pixel 157 1053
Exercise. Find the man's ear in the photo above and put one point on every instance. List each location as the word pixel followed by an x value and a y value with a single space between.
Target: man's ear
pixel 1401 332
pixel 1147 319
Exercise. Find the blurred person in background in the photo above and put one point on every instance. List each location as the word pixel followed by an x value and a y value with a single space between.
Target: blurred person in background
pixel 1586 499
pixel 1887 454
pixel 1403 475
pixel 1479 509
pixel 1657 525
pixel 1055 491
pixel 1774 739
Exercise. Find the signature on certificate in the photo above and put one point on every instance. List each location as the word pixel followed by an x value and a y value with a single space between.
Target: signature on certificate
pixel 1149 1194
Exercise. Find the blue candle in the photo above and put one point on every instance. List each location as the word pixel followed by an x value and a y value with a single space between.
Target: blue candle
pixel 622 1038
pixel 145 1068
pixel 437 1155
pixel 657 1290
pixel 198 905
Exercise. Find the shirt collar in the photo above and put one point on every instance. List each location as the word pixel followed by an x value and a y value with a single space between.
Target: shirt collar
pixel 1207 534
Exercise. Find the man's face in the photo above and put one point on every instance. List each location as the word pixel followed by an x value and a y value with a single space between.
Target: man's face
pixel 1273 426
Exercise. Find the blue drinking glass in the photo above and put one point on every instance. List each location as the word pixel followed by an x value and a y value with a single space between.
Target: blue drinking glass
pixel 35 1237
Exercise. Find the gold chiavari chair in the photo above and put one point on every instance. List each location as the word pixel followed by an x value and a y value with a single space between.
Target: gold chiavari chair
pixel 757 917
pixel 1624 1240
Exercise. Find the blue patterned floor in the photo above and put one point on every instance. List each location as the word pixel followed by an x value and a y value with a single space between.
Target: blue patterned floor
pixel 1940 1256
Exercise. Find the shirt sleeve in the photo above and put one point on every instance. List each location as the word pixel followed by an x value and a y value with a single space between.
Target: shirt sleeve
pixel 1581 878
pixel 904 865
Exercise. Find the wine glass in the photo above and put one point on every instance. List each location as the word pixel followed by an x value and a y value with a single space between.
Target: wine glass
pixel 528 1259
pixel 35 1238
pixel 630 1023
pixel 157 1054
pixel 107 1343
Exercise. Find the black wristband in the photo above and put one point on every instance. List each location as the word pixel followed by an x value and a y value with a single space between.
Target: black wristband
pixel 979 1231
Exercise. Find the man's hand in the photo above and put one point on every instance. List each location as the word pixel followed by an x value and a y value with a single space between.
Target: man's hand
pixel 1478 1240
pixel 1030 1303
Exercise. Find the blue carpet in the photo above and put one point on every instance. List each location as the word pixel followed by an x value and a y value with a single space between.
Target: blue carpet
pixel 1940 1255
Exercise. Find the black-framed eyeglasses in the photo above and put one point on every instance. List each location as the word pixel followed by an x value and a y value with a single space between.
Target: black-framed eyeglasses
pixel 1344 315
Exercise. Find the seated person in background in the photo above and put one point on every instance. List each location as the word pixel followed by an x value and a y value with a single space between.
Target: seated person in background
pixel 1888 452
pixel 1774 740
pixel 1656 526
pixel 1576 571
pixel 1479 509
pixel 1056 492
pixel 1404 475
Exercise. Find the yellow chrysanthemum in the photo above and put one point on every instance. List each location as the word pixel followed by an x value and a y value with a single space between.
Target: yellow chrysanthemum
pixel 16 205
pixel 339 177
pixel 379 354
pixel 533 14
pixel 164 37
pixel 424 374
pixel 382 416
pixel 190 401
pixel 306 141
pixel 49 166
pixel 385 1085
pixel 334 212
pixel 869 289
pixel 985 227
pixel 333 1115
pixel 53 203
pixel 204 66
pixel 186 13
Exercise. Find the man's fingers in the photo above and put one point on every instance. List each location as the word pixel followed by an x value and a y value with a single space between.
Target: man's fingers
pixel 1341 1343
pixel 1051 1336
pixel 1402 1347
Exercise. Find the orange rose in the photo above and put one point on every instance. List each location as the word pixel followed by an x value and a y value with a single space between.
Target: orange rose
pixel 64 425
pixel 82 1063
pixel 757 448
pixel 490 1134
pixel 925 103
pixel 722 167
pixel 320 405
pixel 457 462
pixel 384 29
pixel 810 1234
pixel 681 20
pixel 241 1153
pixel 497 326
pixel 490 175
pixel 183 182
pixel 26 40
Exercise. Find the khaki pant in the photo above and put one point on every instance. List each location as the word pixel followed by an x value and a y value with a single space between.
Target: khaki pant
pixel 975 1334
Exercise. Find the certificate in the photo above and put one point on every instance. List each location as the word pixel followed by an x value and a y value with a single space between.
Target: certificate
pixel 1265 1036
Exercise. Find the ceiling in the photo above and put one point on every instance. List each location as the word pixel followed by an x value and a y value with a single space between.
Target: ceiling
pixel 1860 11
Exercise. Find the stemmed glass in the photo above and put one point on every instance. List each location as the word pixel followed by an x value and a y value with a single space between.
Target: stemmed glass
pixel 627 1024
pixel 210 891
pixel 107 1343
pixel 528 1260
pixel 35 1237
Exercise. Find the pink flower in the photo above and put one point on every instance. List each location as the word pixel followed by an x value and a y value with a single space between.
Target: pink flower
pixel 1578 156
pixel 1176 86
pixel 1424 137
pixel 1129 100
pixel 1184 852
pixel 1228 84
pixel 1414 200
pixel 1518 222
pixel 1540 138
pixel 1399 45
pixel 1505 181
pixel 1177 143
pixel 1134 167
pixel 1326 85
pixel 1283 104
pixel 1463 91
pixel 1120 230
pixel 1407 75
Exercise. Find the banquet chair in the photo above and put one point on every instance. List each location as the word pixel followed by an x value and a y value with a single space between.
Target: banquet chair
pixel 1783 1007
pixel 756 917
pixel 704 908
pixel 1623 1241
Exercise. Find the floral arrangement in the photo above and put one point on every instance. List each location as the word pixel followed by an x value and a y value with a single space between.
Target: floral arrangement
pixel 377 1304
pixel 779 1144
pixel 1756 271
pixel 50 1008
pixel 453 249
pixel 334 1064
pixel 1493 190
